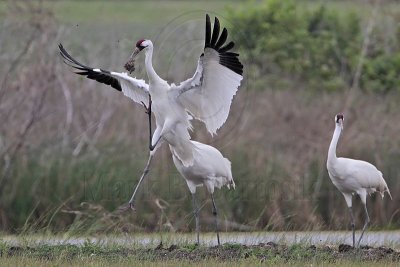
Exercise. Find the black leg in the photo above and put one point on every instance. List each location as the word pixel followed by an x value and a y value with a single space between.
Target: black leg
pixel 147 168
pixel 353 226
pixel 145 172
pixel 365 224
pixel 148 112
pixel 196 214
pixel 214 211
pixel 152 147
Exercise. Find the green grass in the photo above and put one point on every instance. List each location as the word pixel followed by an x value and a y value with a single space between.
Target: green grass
pixel 131 12
pixel 229 254
pixel 98 19
pixel 93 261
pixel 153 12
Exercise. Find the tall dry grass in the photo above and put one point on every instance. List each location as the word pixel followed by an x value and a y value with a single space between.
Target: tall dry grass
pixel 71 149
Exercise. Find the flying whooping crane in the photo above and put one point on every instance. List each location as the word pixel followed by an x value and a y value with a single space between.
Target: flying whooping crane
pixel 353 176
pixel 210 169
pixel 206 96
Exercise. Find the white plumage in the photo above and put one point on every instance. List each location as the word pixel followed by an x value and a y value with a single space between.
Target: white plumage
pixel 356 176
pixel 353 176
pixel 210 169
pixel 218 85
pixel 207 96
pixel 135 89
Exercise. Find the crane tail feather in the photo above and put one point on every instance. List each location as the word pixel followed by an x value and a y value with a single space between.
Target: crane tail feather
pixel 390 195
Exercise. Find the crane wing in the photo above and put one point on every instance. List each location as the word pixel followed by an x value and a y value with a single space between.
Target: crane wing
pixel 135 89
pixel 361 174
pixel 209 93
pixel 366 174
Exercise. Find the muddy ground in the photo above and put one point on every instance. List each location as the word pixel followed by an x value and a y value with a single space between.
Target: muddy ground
pixel 227 252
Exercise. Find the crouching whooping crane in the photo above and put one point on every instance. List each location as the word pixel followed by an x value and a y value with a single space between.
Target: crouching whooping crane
pixel 353 176
pixel 210 169
pixel 206 96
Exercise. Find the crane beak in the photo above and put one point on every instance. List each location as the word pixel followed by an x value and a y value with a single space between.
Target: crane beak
pixel 342 125
pixel 134 54
pixel 130 65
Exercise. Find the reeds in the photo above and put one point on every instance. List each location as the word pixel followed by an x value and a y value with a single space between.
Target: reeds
pixel 71 151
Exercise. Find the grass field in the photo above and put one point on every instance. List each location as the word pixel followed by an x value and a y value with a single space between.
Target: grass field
pixel 98 254
pixel 132 12
pixel 139 12
pixel 93 261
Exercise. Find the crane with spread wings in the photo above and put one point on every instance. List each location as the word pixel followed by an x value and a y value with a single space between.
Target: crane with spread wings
pixel 206 96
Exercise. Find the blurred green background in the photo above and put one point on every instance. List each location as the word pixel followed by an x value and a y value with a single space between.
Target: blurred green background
pixel 71 150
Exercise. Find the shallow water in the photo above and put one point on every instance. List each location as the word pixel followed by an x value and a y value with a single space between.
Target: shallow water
pixel 380 238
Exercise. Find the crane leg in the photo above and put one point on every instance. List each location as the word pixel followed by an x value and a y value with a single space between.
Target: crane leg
pixel 145 172
pixel 365 224
pixel 196 214
pixel 152 151
pixel 353 225
pixel 156 139
pixel 157 132
pixel 148 112
pixel 214 211
pixel 147 168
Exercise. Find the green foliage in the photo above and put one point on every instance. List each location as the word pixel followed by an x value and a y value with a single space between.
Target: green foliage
pixel 190 246
pixel 66 192
pixel 320 47
pixel 382 73
pixel 226 255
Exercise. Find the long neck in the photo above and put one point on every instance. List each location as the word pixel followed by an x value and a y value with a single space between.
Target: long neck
pixel 332 147
pixel 152 75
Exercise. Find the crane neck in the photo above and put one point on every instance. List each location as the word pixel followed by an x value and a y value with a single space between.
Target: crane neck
pixel 332 147
pixel 151 74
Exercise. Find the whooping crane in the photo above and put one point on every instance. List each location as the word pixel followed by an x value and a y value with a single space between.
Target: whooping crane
pixel 210 169
pixel 206 96
pixel 353 176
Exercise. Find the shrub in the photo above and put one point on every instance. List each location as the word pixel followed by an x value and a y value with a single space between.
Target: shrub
pixel 319 47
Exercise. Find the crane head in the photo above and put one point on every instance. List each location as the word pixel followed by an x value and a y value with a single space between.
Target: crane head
pixel 140 45
pixel 339 119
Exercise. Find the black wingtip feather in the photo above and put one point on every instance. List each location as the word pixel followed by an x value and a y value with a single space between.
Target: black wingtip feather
pixel 81 73
pixel 215 41
pixel 103 76
pixel 215 33
pixel 222 39
pixel 208 31
pixel 227 47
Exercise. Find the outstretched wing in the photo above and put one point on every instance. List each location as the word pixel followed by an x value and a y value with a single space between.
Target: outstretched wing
pixel 135 89
pixel 209 93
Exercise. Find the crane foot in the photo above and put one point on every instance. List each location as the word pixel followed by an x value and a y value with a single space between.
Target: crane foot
pixel 132 206
pixel 127 207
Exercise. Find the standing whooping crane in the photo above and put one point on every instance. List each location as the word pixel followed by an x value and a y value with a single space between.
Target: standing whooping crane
pixel 353 176
pixel 206 96
pixel 210 169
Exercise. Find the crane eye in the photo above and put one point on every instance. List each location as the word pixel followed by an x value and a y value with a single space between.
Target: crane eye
pixel 139 43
